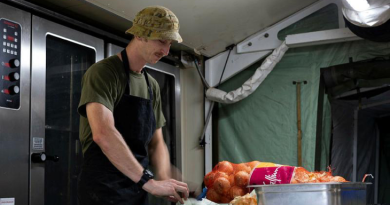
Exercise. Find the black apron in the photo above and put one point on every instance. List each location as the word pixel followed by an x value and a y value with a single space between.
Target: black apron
pixel 100 183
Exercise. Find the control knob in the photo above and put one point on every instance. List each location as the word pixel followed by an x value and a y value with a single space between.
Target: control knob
pixel 14 63
pixel 14 76
pixel 13 90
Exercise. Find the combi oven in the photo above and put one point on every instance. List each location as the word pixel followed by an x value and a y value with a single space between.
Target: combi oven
pixel 42 64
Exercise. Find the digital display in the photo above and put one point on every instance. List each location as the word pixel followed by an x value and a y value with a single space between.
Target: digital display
pixel 10 35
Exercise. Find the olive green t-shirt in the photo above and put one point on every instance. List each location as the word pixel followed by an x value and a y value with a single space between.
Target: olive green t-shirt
pixel 104 83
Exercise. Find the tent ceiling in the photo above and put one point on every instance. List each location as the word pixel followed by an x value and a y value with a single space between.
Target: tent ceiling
pixel 211 25
pixel 206 25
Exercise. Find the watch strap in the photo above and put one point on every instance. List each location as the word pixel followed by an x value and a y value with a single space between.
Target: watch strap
pixel 146 176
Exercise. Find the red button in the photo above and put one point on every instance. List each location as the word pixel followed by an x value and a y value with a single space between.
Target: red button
pixel 10 38
pixel 6 77
pixel 6 91
pixel 6 65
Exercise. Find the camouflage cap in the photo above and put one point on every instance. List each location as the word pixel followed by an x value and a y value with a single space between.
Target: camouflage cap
pixel 156 23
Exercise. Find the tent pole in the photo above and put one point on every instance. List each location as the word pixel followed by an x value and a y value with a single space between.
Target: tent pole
pixel 299 124
pixel 320 111
pixel 355 138
pixel 299 140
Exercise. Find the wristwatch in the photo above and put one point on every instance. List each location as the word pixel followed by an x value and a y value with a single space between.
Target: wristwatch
pixel 147 175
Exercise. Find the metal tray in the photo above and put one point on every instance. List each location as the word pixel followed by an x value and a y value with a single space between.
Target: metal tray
pixel 347 193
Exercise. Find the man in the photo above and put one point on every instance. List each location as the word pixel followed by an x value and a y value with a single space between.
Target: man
pixel 121 120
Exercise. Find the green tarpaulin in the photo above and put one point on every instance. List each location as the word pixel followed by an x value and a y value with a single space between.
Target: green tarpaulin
pixel 264 125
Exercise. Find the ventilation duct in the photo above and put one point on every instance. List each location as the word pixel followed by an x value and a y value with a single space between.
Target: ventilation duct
pixel 368 19
pixel 371 75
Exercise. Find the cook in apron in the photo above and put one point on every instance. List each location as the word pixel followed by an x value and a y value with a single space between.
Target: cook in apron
pixel 100 183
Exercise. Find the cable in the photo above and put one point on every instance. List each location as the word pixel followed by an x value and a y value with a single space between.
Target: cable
pixel 230 48
pixel 200 74
pixel 202 141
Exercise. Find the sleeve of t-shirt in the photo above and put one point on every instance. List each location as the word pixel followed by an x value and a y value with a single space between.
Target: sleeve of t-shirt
pixel 157 107
pixel 99 85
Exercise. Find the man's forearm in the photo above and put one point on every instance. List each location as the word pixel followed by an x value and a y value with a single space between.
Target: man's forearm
pixel 119 154
pixel 111 142
pixel 115 148
pixel 159 156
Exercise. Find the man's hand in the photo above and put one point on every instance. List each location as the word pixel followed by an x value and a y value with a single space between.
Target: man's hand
pixel 170 189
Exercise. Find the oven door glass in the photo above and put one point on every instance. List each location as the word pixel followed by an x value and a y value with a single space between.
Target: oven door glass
pixel 167 88
pixel 66 63
pixel 167 91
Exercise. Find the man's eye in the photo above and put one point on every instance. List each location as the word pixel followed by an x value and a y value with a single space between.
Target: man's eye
pixel 165 42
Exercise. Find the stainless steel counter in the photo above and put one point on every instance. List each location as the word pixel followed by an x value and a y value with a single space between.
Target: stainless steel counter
pixel 348 193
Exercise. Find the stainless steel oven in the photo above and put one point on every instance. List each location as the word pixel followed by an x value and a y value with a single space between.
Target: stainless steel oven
pixel 14 105
pixel 40 154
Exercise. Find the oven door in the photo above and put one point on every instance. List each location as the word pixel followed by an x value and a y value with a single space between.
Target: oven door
pixel 168 79
pixel 60 57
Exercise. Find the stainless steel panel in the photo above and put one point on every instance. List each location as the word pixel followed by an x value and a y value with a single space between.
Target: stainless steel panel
pixel 169 70
pixel 308 194
pixel 42 29
pixel 112 49
pixel 175 72
pixel 14 123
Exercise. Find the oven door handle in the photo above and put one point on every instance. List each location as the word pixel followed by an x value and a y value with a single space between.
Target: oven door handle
pixel 42 157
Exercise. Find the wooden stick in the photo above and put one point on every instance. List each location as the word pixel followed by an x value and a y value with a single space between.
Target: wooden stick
pixel 299 124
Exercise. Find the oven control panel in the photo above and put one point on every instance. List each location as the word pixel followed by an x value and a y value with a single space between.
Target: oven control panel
pixel 10 36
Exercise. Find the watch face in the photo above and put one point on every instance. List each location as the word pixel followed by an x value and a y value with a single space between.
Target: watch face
pixel 148 173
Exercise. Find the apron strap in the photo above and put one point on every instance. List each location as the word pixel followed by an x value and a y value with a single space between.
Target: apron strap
pixel 126 66
pixel 147 82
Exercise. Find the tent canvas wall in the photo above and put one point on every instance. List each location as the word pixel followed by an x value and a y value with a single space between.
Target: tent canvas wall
pixel 264 125
pixel 359 95
pixel 360 135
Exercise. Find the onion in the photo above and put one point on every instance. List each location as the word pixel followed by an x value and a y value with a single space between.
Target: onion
pixel 212 195
pixel 225 199
pixel 221 185
pixel 242 167
pixel 209 179
pixel 253 164
pixel 236 191
pixel 241 178
pixel 225 167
